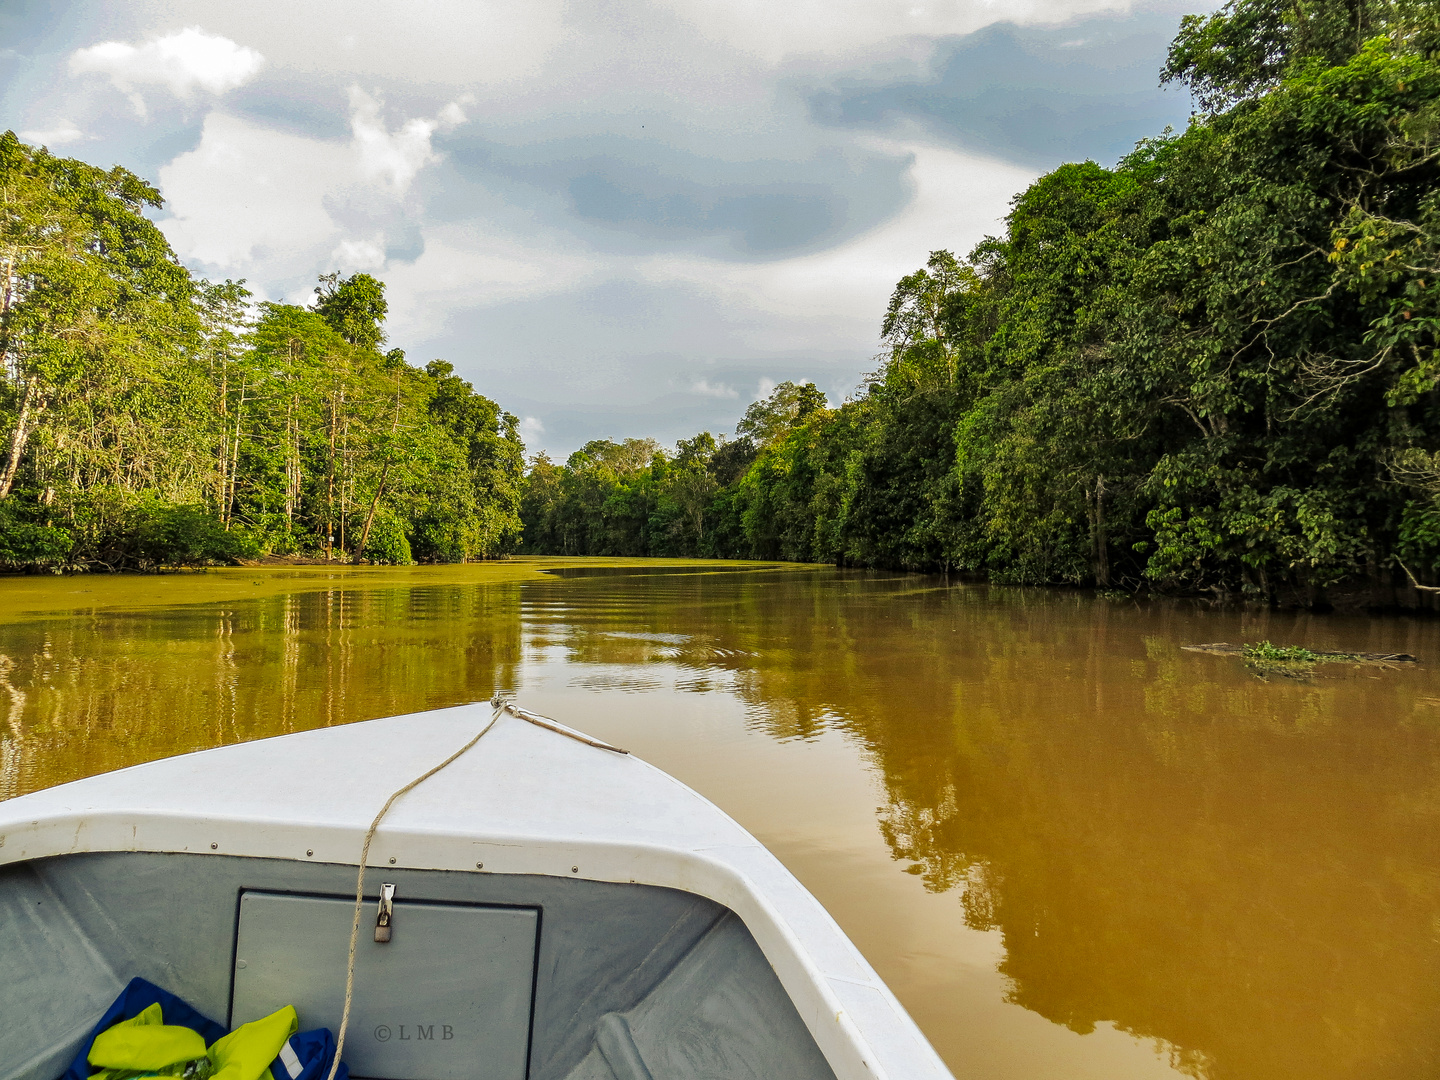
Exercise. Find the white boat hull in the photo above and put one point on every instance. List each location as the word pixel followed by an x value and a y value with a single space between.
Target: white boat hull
pixel 665 942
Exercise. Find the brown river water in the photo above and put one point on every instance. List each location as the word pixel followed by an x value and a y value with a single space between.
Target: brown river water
pixel 1072 849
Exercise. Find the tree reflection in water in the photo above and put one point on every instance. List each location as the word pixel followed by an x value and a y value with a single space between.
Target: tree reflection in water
pixel 1246 870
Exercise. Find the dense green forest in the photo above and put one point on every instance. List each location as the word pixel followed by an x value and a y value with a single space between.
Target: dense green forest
pixel 153 419
pixel 1212 367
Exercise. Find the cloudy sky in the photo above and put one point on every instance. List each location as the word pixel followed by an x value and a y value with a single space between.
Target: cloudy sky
pixel 615 218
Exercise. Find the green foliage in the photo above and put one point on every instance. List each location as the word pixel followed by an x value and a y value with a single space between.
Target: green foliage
pixel 388 542
pixel 1263 650
pixel 152 420
pixel 31 545
pixel 1248 47
pixel 116 529
pixel 354 308
pixel 788 405
pixel 632 497
pixel 1419 535
pixel 158 534
pixel 1289 661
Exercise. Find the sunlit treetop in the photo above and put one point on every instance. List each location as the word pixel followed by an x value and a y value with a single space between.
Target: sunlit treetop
pixel 1243 50
pixel 355 307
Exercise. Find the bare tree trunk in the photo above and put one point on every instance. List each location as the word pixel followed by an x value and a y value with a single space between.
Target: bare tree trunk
pixel 229 509
pixel 1099 541
pixel 370 517
pixel 24 424
pixel 1415 584
pixel 380 487
pixel 6 299
pixel 222 484
pixel 344 476
pixel 697 519
pixel 292 446
pixel 330 489
pixel 292 464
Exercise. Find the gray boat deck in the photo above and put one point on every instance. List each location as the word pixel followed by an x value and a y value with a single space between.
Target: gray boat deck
pixel 616 980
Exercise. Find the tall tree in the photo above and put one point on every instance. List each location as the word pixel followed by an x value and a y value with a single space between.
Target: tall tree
pixel 354 307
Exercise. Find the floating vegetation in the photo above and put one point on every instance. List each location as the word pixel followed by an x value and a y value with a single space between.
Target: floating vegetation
pixel 1286 654
pixel 1265 658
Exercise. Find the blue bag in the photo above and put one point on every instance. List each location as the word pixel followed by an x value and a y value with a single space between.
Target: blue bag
pixel 305 1056
pixel 308 1056
pixel 133 1000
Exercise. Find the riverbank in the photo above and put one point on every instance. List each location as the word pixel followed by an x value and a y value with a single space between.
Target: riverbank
pixel 30 596
pixel 39 596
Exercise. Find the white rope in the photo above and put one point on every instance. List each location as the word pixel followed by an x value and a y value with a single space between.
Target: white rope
pixel 559 729
pixel 360 880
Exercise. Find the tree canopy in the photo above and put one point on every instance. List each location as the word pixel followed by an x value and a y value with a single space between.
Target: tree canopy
pixel 151 419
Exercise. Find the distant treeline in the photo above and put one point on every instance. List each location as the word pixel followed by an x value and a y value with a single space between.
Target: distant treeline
pixel 1212 367
pixel 152 419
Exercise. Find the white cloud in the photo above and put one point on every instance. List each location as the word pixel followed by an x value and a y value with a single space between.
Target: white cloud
pixel 351 256
pixel 63 132
pixel 774 31
pixel 180 62
pixel 248 195
pixel 391 156
pixel 549 59
pixel 277 206
pixel 477 264
pixel 705 388
pixel 546 309
pixel 531 429
pixel 439 42
pixel 823 304
pixel 627 327
pixel 833 300
pixel 452 115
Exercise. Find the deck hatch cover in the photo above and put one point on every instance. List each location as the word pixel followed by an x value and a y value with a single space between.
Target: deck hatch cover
pixel 447 999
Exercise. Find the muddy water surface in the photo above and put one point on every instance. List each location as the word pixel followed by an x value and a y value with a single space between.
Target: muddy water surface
pixel 1072 849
